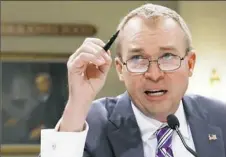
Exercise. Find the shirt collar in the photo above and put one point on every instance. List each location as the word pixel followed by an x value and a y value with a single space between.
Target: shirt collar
pixel 148 126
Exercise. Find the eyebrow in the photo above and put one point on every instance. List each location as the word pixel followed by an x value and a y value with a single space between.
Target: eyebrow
pixel 141 50
pixel 135 50
pixel 167 48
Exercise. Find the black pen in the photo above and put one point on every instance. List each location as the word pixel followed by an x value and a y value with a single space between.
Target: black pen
pixel 111 41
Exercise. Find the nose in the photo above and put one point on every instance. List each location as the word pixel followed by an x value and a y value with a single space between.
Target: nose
pixel 154 73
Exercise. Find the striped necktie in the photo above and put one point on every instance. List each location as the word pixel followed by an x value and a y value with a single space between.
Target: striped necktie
pixel 164 138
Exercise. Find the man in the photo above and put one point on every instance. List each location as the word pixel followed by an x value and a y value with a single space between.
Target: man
pixel 47 111
pixel 155 60
pixel 40 116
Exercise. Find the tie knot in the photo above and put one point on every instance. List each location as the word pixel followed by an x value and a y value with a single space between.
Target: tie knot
pixel 164 137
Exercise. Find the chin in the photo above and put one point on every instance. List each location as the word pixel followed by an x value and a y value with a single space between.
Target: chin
pixel 159 115
pixel 161 107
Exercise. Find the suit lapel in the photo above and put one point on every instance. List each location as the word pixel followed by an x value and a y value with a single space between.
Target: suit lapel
pixel 123 131
pixel 207 138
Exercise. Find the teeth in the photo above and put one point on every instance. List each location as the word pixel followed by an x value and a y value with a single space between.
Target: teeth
pixel 156 92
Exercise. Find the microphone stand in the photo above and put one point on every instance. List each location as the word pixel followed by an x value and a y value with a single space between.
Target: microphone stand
pixel 186 146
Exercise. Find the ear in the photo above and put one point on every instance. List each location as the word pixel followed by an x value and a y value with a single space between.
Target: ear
pixel 119 68
pixel 191 61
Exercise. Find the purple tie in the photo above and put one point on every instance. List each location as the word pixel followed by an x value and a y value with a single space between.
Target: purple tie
pixel 164 138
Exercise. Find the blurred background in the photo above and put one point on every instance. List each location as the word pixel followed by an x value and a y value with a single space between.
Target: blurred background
pixel 33 68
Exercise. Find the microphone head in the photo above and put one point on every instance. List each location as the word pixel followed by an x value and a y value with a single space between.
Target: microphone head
pixel 173 122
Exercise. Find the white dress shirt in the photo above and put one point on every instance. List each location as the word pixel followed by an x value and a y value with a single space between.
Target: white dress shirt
pixel 58 144
pixel 149 126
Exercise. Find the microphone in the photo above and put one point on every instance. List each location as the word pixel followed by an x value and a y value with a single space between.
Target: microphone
pixel 174 124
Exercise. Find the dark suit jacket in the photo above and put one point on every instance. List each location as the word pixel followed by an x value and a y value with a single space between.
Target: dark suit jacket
pixel 113 130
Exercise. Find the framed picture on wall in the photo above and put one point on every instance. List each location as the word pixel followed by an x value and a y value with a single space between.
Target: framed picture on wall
pixel 33 96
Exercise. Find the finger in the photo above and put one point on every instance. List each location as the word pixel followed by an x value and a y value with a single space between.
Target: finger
pixel 99 51
pixel 105 68
pixel 96 51
pixel 90 45
pixel 107 55
pixel 85 43
pixel 85 58
pixel 95 41
pixel 89 49
pixel 92 48
pixel 74 55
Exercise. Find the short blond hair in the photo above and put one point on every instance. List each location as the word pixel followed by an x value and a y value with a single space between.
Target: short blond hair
pixel 150 11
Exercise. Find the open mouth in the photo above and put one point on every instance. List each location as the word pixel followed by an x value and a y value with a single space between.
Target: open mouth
pixel 155 92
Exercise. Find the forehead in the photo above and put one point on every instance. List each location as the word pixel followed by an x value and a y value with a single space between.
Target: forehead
pixel 152 34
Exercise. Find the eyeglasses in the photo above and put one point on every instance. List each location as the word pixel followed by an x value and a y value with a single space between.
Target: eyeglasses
pixel 167 62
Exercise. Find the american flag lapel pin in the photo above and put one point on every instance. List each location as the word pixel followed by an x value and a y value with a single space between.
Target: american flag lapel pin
pixel 212 137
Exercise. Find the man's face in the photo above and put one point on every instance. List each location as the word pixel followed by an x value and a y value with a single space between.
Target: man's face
pixel 142 38
pixel 42 84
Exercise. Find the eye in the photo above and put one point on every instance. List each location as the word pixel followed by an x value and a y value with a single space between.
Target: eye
pixel 136 57
pixel 168 56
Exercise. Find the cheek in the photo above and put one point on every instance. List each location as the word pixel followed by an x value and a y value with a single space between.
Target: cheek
pixel 180 77
pixel 132 82
pixel 178 82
